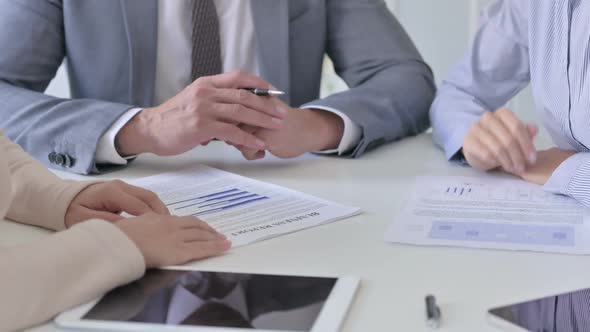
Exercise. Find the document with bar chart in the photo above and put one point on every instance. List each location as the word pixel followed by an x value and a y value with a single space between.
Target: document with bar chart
pixel 493 213
pixel 243 209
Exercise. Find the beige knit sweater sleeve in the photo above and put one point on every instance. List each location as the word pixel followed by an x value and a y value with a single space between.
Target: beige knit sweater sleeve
pixel 63 270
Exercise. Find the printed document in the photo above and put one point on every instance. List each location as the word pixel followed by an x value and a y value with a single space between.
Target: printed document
pixel 243 209
pixel 491 213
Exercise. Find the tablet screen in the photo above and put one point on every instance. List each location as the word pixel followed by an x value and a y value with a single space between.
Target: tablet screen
pixel 569 312
pixel 250 301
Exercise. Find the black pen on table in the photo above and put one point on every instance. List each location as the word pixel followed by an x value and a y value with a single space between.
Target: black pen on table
pixel 433 314
pixel 264 92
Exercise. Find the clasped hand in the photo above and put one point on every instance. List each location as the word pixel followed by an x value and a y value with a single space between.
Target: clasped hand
pixel 210 108
pixel 216 107
pixel 502 141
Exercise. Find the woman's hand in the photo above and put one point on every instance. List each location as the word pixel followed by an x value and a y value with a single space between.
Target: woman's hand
pixel 108 200
pixel 500 139
pixel 548 161
pixel 169 240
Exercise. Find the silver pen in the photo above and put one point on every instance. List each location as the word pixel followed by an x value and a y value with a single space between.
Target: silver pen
pixel 265 92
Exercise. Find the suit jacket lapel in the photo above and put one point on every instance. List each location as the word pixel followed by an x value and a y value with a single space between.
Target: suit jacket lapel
pixel 141 22
pixel 271 23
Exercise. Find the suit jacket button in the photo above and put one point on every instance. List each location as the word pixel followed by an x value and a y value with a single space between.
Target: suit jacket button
pixel 52 157
pixel 60 159
pixel 68 161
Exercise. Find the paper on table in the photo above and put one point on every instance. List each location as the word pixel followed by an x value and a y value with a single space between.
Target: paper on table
pixel 243 209
pixel 491 213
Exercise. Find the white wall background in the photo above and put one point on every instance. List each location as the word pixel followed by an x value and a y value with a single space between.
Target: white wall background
pixel 442 30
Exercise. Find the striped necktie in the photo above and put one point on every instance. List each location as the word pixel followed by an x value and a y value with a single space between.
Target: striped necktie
pixel 206 52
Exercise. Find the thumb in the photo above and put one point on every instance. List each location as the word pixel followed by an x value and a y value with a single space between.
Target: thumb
pixel 532 129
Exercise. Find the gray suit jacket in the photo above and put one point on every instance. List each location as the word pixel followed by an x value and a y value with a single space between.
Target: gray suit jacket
pixel 110 46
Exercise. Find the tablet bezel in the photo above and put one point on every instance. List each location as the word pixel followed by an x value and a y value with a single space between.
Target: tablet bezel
pixel 330 318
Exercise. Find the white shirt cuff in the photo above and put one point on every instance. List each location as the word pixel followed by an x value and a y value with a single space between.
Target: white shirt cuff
pixel 351 136
pixel 106 152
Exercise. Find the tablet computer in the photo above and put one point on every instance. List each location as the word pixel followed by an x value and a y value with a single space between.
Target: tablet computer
pixel 189 300
pixel 567 312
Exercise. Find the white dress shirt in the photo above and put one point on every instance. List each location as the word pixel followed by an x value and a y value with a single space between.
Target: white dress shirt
pixel 173 64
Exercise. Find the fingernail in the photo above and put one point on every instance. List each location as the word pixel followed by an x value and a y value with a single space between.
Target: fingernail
pixel 260 144
pixel 533 158
pixel 221 236
pixel 281 111
pixel 277 121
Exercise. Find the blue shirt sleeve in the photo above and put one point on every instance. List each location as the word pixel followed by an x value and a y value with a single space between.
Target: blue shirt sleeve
pixel 494 70
pixel 571 178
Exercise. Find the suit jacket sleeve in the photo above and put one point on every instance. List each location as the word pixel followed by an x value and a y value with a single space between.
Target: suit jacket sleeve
pixel 391 88
pixel 33 47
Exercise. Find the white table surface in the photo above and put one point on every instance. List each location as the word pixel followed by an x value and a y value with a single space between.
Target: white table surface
pixel 395 278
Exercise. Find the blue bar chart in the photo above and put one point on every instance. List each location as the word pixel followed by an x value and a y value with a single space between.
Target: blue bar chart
pixel 215 202
pixel 458 190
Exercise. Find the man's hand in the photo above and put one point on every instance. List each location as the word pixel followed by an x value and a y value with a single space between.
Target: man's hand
pixel 304 130
pixel 547 162
pixel 210 108
pixel 500 139
pixel 108 200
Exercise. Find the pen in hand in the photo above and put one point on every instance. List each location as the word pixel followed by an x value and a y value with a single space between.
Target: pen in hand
pixel 264 92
